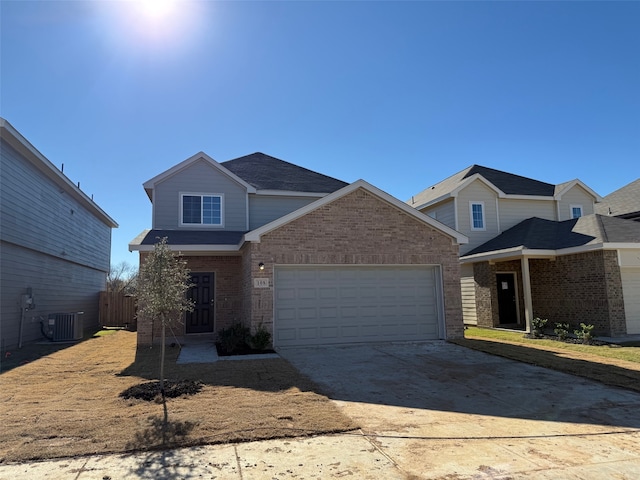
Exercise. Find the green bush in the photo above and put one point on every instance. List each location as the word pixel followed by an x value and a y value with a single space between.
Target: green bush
pixel 261 339
pixel 234 337
pixel 562 330
pixel 538 325
pixel 584 333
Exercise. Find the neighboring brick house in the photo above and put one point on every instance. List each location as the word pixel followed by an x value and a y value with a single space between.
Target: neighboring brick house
pixel 55 248
pixel 538 250
pixel 311 258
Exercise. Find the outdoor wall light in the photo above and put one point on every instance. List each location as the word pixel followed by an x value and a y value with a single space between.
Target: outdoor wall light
pixel 261 266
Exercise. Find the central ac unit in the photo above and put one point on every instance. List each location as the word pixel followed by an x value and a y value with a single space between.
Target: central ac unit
pixel 65 326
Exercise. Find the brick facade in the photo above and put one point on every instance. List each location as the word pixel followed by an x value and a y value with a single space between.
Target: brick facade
pixel 357 229
pixel 584 287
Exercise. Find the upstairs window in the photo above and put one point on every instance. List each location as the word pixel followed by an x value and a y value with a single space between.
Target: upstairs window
pixel 477 215
pixel 576 211
pixel 201 209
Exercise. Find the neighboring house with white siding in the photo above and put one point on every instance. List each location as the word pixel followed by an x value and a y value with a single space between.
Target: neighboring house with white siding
pixel 55 243
pixel 623 203
pixel 312 259
pixel 538 249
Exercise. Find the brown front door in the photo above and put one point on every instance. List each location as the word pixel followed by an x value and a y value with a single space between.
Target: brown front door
pixel 200 320
pixel 507 305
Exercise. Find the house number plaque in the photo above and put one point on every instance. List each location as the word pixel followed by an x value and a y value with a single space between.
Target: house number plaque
pixel 261 283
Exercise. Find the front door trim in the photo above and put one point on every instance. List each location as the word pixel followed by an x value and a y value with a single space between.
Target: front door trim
pixel 515 287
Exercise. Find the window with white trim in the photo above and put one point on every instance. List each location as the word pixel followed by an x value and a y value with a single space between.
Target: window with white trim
pixel 576 211
pixel 201 209
pixel 476 210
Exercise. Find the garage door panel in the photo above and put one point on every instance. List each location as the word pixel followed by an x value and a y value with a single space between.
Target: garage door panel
pixel 631 293
pixel 354 304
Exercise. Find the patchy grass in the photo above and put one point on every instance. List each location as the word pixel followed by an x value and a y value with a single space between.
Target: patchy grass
pixel 609 364
pixel 68 403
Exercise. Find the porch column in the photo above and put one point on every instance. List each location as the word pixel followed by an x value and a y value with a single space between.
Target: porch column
pixel 526 287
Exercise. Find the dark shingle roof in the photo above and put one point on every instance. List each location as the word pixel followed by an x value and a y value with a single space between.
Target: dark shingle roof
pixel 193 237
pixel 512 184
pixel 539 234
pixel 269 173
pixel 507 182
pixel 623 202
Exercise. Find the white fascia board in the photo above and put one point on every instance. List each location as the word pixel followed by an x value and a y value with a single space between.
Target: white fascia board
pixel 430 203
pixel 254 235
pixel 149 184
pixel 473 178
pixel 205 249
pixel 286 193
pixel 31 153
pixel 573 183
pixel 531 253
pixel 528 197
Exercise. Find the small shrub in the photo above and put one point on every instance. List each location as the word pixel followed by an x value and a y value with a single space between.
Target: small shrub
pixel 538 325
pixel 261 339
pixel 562 331
pixel 234 337
pixel 584 333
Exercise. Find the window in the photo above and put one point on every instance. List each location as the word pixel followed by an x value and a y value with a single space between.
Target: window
pixel 201 209
pixel 477 215
pixel 576 211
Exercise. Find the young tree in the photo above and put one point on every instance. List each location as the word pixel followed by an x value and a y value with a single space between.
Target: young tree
pixel 163 282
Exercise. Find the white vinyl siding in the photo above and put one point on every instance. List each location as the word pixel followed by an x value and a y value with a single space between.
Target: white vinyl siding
pixel 468 290
pixel 477 192
pixel 266 208
pixel 320 305
pixel 199 177
pixel 444 212
pixel 576 196
pixel 514 211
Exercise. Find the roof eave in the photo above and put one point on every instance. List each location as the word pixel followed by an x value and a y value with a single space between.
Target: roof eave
pixel 254 235
pixel 31 153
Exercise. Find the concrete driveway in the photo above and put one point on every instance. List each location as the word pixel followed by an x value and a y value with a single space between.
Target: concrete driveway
pixel 440 411
pixel 427 411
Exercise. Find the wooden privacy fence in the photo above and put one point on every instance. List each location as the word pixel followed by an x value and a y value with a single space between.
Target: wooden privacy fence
pixel 117 310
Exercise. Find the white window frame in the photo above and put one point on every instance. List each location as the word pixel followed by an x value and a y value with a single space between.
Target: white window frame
pixel 484 217
pixel 201 225
pixel 577 206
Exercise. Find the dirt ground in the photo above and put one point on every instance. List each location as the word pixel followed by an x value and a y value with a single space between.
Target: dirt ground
pixel 610 371
pixel 67 403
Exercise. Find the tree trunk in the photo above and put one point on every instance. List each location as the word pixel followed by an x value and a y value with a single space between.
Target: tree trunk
pixel 165 423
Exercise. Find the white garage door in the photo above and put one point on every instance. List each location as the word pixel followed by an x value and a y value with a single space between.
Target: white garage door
pixel 347 304
pixel 631 292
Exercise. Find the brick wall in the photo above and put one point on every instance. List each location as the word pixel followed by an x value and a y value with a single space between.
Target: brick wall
pixel 584 287
pixel 228 307
pixel 356 229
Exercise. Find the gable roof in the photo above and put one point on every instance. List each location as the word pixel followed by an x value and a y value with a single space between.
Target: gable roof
pixel 265 172
pixel 254 235
pixel 624 202
pixel 149 185
pixel 503 183
pixel 547 235
pixel 14 138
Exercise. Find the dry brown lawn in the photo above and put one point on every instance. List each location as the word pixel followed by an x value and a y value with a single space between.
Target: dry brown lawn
pixel 67 403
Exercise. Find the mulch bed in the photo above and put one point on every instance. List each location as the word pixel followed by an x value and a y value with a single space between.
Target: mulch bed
pixel 151 390
pixel 242 349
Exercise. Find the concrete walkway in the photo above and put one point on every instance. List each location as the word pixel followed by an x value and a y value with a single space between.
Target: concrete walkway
pixel 427 411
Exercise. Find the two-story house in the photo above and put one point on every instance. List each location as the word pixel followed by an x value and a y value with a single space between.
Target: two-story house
pixel 55 247
pixel 311 258
pixel 538 250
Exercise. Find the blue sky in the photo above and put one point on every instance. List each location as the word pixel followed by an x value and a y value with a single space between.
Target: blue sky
pixel 401 94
